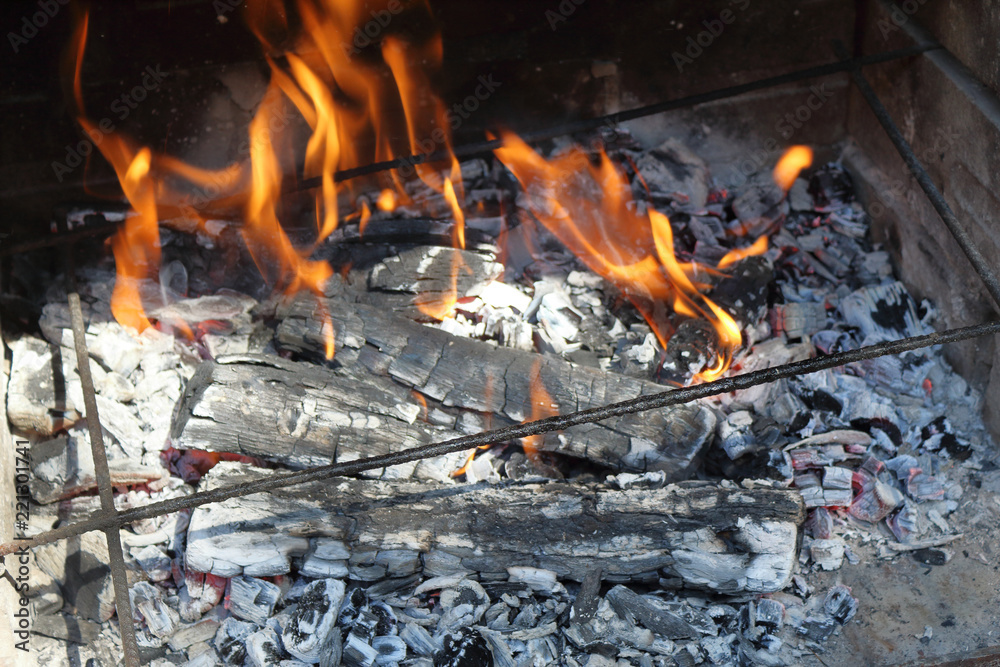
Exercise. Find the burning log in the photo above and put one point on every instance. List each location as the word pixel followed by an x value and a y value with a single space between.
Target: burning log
pixel 457 374
pixel 728 540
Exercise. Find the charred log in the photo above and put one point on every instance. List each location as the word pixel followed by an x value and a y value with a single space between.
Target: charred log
pixel 695 534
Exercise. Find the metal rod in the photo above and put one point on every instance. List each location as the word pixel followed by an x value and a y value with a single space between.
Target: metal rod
pixel 485 147
pixel 116 556
pixel 981 95
pixel 557 423
pixel 937 200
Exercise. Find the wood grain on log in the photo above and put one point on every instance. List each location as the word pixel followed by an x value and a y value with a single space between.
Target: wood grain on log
pixel 728 540
pixel 464 374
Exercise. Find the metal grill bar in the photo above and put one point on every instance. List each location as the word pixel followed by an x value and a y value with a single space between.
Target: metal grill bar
pixel 560 422
pixel 937 200
pixel 486 147
pixel 116 554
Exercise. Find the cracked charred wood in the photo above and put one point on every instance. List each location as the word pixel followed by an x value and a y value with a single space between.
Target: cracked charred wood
pixel 696 534
pixel 460 375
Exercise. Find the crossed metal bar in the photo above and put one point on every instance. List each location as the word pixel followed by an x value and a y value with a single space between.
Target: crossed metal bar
pixel 109 520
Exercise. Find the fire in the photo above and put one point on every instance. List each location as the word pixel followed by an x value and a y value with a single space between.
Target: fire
pixel 386 201
pixel 542 406
pixel 791 163
pixel 759 247
pixel 360 108
pixel 590 209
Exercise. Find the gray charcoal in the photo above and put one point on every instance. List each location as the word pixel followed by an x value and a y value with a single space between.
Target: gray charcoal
pixel 466 648
pixel 419 640
pixel 252 599
pixel 922 487
pixel 646 611
pixel 840 604
pixel 720 650
pixel 230 640
pixel 147 600
pixel 835 477
pixel 769 613
pixel 828 554
pixel 735 434
pixel 153 561
pixel 264 649
pixel 390 649
pixel 798 320
pixel 817 629
pixel 502 656
pixel 672 170
pixel 820 523
pixel 537 579
pixel 904 522
pixel 313 619
pixel 357 652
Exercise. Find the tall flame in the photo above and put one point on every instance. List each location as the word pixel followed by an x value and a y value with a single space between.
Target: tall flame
pixel 360 108
pixel 590 209
pixel 791 163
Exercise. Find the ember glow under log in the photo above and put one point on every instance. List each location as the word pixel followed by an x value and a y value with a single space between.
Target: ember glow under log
pixel 725 539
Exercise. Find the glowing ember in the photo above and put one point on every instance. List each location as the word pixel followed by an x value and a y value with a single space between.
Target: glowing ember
pixel 793 161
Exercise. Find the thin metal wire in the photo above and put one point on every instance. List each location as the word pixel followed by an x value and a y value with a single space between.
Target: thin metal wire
pixel 485 147
pixel 116 554
pixel 937 200
pixel 99 521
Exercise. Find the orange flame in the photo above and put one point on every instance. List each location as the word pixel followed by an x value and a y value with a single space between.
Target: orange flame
pixel 542 406
pixel 359 110
pixel 590 209
pixel 386 201
pixel 791 163
pixel 759 247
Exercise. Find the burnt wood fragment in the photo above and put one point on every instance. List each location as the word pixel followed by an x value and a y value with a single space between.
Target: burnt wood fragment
pixel 729 540
pixel 460 374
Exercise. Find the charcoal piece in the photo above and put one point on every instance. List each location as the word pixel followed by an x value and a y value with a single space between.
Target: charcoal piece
pixel 820 523
pixel 903 522
pixel 671 169
pixel 876 502
pixel 573 527
pixel 831 187
pixel 585 604
pixel 357 652
pixel 817 629
pixel 840 604
pixel 433 269
pixel 798 320
pixel 466 648
pixel 769 613
pixel 758 207
pixel 689 350
pixel 419 640
pixel 820 400
pixel 930 556
pixel 882 313
pixel 828 554
pixel 463 605
pixel 391 231
pixel 264 648
pixel 252 599
pixel 923 487
pixel 390 649
pixel 147 600
pixel 230 640
pixel 735 434
pixel 313 620
pixel 629 605
pixel 743 292
pixel 874 424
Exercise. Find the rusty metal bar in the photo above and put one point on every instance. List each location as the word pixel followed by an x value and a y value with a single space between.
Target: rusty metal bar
pixel 98 521
pixel 116 555
pixel 937 200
